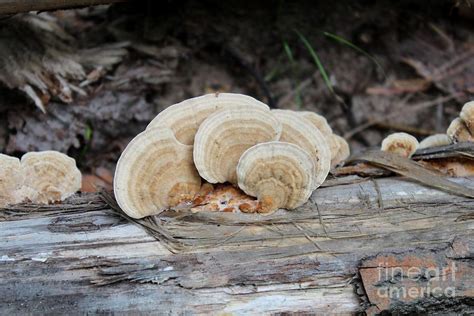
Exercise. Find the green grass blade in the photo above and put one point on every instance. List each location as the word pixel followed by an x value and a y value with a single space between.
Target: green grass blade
pixel 88 133
pixel 354 47
pixel 317 61
pixel 289 54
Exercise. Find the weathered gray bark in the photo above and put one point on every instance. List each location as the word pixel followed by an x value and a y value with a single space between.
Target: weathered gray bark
pixel 324 257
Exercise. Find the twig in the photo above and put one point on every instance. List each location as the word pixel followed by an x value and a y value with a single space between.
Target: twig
pixel 404 128
pixel 404 111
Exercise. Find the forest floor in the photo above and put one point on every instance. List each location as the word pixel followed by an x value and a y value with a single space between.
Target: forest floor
pixel 370 67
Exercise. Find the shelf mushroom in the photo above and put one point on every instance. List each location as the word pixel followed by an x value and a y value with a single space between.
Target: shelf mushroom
pixel 321 123
pixel 155 172
pixel 49 176
pixel 458 131
pixel 10 180
pixel 299 131
pixel 184 118
pixel 225 135
pixel 402 144
pixel 318 121
pixel 343 150
pixel 279 174
pixel 467 116
pixel 435 140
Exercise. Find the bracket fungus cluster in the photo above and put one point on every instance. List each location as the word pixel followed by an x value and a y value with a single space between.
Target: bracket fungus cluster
pixel 10 180
pixel 224 136
pixel 154 172
pixel 279 174
pixel 39 177
pixel 402 144
pixel 435 140
pixel 301 132
pixel 184 118
pixel 277 156
pixel 461 128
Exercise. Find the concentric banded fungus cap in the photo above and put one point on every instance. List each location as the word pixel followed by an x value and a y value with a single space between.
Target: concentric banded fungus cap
pixel 184 118
pixel 343 150
pixel 279 174
pixel 435 140
pixel 467 116
pixel 49 176
pixel 155 172
pixel 402 144
pixel 299 131
pixel 10 180
pixel 317 120
pixel 224 136
pixel 458 131
pixel 321 123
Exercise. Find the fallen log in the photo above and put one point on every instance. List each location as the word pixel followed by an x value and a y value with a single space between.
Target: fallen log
pixel 347 250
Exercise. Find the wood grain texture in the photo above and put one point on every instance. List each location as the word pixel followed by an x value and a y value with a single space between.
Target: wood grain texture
pixel 82 257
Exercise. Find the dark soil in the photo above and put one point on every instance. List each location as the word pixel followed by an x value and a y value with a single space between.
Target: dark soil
pixel 180 49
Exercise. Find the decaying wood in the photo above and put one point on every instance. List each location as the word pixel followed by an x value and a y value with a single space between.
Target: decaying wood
pixel 16 6
pixel 81 256
pixel 38 56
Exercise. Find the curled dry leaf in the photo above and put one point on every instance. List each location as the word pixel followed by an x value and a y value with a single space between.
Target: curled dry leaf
pixel 92 183
pixel 102 179
pixel 105 175
pixel 453 167
pixel 224 136
pixel 412 170
pixel 360 169
pixel 456 160
pixel 402 144
pixel 279 174
pixel 184 118
pixel 155 172
pixel 299 131
pixel 461 150
pixel 49 176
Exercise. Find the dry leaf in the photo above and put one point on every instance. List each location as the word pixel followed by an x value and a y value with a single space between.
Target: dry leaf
pixel 412 170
